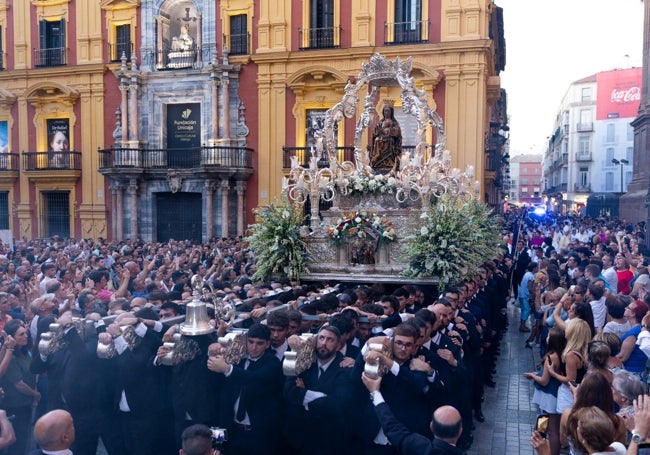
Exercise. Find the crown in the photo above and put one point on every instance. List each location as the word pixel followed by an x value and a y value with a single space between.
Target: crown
pixel 381 72
pixel 389 102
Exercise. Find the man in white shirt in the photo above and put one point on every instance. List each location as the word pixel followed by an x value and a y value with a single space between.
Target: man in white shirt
pixel 595 293
pixel 609 272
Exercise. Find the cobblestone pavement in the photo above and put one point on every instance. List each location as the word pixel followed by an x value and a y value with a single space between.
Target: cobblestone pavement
pixel 508 408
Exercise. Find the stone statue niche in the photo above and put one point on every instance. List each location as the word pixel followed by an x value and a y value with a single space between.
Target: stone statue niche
pixel 182 45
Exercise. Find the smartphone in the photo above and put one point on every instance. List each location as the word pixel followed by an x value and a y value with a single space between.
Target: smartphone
pixel 573 383
pixel 541 424
pixel 644 448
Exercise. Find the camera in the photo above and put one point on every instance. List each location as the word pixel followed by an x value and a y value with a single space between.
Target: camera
pixel 219 436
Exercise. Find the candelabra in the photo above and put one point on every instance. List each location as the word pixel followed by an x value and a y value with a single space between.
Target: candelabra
pixel 311 184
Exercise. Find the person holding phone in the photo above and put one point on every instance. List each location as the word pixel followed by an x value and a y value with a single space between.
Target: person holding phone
pixel 546 386
pixel 639 443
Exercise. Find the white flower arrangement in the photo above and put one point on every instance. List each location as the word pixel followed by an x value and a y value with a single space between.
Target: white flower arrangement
pixel 278 240
pixel 378 184
pixel 452 240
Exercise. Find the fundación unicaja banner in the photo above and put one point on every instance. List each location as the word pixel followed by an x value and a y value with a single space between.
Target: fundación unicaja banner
pixel 183 125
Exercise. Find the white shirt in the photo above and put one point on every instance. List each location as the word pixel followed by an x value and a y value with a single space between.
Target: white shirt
pixel 611 277
pixel 600 312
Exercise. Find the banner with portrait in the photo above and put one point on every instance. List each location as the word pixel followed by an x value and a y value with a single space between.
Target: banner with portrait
pixel 58 134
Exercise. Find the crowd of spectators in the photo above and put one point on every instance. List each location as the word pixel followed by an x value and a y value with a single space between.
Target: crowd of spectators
pixel 114 375
pixel 582 289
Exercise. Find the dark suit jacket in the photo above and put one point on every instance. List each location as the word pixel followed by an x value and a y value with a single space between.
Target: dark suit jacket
pixel 410 443
pixel 260 387
pixel 72 375
pixel 407 394
pixel 324 427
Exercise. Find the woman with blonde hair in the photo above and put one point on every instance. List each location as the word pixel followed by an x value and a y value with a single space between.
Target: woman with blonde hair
pixel 574 362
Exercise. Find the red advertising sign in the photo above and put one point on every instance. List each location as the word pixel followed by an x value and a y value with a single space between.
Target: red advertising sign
pixel 619 94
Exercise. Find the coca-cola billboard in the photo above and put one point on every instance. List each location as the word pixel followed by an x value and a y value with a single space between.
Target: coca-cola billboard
pixel 619 94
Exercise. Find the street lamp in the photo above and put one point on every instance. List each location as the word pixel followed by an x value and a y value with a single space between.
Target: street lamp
pixel 621 163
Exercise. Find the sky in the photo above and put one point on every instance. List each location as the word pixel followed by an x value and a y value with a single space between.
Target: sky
pixel 553 43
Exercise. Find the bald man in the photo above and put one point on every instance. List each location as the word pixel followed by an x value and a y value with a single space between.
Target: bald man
pixel 446 426
pixel 54 433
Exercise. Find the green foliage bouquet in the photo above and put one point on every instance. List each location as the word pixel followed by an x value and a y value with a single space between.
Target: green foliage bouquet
pixel 278 241
pixel 453 238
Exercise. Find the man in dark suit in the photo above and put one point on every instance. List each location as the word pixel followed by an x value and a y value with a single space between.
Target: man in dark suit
pixel 53 432
pixel 446 426
pixel 251 398
pixel 520 260
pixel 136 391
pixel 73 382
pixel 318 402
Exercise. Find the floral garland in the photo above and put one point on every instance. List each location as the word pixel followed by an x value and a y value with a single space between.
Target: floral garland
pixel 379 184
pixel 366 225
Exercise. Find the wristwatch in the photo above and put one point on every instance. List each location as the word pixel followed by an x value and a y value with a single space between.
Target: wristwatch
pixel 637 438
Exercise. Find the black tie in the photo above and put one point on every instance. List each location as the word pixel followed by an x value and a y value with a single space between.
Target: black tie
pixel 241 409
pixel 321 372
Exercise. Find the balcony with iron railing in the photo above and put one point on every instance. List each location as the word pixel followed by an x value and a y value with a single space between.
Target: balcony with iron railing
pixel 9 162
pixel 343 154
pixel 584 127
pixel 218 158
pixel 3 60
pixel 54 56
pixel 117 50
pixel 319 38
pixel 583 156
pixel 412 32
pixel 237 44
pixel 52 161
pixel 304 153
pixel 580 188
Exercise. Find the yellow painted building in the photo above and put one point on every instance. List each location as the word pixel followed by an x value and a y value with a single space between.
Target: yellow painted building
pixel 253 77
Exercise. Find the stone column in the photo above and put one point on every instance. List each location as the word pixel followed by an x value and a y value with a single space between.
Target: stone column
pixel 124 90
pixel 117 206
pixel 209 209
pixel 241 192
pixel 225 188
pixel 225 101
pixel 159 42
pixel 133 192
pixel 133 99
pixel 214 98
pixel 638 189
pixel 199 39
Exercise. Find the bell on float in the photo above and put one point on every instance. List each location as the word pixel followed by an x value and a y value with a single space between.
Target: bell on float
pixel 196 316
pixel 196 319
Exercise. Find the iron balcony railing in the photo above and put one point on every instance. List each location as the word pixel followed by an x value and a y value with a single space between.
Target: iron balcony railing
pixel 8 162
pixel 583 156
pixel 54 56
pixel 319 38
pixel 411 32
pixel 116 50
pixel 237 44
pixel 343 154
pixel 52 161
pixel 584 127
pixel 3 60
pixel 579 188
pixel 188 158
